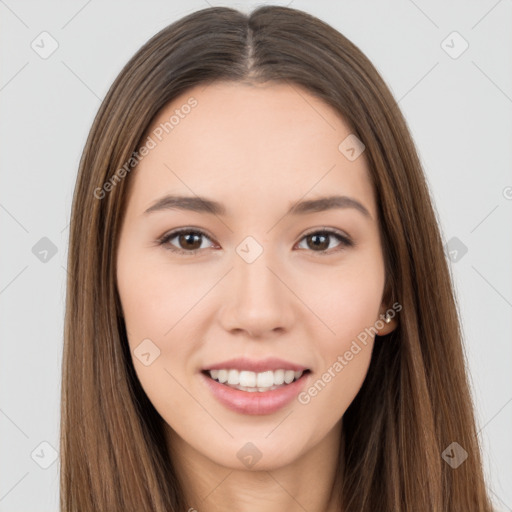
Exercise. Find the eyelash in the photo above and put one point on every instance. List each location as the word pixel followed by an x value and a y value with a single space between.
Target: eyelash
pixel 346 242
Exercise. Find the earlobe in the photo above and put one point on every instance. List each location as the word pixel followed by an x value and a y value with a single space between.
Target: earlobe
pixel 385 324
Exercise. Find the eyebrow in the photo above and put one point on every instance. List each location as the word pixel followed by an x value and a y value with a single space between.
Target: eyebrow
pixel 204 205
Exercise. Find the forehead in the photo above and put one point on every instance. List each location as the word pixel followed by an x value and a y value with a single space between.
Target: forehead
pixel 249 144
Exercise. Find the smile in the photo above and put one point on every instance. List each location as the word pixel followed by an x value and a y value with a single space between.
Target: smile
pixel 251 382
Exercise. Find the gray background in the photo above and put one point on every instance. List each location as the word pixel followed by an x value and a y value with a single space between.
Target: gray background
pixel 458 110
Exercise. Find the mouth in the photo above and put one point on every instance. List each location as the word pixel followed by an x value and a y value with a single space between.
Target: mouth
pixel 255 388
pixel 255 382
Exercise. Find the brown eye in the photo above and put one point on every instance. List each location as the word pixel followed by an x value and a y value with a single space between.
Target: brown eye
pixel 320 241
pixel 188 241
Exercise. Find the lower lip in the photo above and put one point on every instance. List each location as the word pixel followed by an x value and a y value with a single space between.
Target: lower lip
pixel 254 403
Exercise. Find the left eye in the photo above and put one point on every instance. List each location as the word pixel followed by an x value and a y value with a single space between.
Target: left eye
pixel 321 240
pixel 189 241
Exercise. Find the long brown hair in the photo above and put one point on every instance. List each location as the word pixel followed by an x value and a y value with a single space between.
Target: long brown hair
pixel 415 400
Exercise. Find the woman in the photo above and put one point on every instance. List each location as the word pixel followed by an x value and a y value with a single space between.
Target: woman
pixel 259 311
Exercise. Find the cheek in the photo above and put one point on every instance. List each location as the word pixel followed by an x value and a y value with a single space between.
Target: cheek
pixel 143 301
pixel 153 298
pixel 345 356
pixel 350 310
pixel 160 304
pixel 154 310
pixel 348 302
pixel 331 392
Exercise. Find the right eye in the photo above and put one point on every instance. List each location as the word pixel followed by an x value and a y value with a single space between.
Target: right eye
pixel 188 239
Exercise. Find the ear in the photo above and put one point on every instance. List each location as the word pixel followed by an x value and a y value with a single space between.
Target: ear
pixel 382 326
pixel 387 327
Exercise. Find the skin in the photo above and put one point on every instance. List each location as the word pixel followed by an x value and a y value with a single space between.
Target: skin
pixel 258 150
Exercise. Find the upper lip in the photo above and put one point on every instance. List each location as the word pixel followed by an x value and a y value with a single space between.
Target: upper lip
pixel 269 364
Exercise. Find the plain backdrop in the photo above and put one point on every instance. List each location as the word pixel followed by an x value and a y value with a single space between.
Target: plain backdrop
pixel 58 60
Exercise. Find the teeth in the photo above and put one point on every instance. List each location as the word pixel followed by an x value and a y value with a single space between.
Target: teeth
pixel 233 377
pixel 251 381
pixel 265 379
pixel 289 375
pixel 247 379
pixel 278 377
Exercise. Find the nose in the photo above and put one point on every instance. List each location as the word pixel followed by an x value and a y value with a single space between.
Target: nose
pixel 258 299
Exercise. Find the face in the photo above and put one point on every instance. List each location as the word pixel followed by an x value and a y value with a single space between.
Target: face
pixel 257 287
